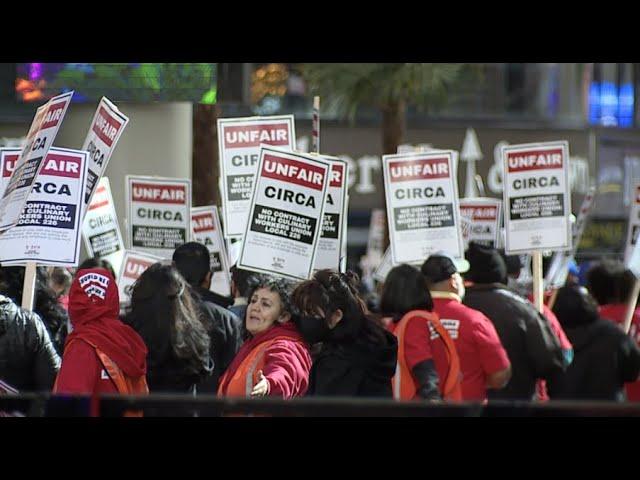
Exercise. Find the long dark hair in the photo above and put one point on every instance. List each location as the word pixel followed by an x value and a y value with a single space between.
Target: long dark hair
pixel 405 289
pixel 164 313
pixel 330 291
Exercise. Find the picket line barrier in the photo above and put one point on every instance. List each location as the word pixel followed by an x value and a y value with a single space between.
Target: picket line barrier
pixel 47 405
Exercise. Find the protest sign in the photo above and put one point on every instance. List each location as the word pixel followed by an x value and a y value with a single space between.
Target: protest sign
pixel 100 228
pixel 536 197
pixel 207 230
pixel 380 274
pixel 285 219
pixel 159 214
pixel 422 206
pixel 8 159
pixel 558 270
pixel 483 217
pixel 133 265
pixel 375 240
pixel 42 133
pixel 239 142
pixel 335 211
pixel 106 127
pixel 634 225
pixel 48 229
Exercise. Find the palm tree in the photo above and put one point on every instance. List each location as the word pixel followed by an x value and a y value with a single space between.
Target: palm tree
pixel 390 87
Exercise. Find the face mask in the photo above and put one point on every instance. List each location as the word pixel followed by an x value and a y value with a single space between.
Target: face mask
pixel 313 329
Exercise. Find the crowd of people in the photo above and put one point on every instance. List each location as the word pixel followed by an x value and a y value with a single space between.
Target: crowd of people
pixel 449 330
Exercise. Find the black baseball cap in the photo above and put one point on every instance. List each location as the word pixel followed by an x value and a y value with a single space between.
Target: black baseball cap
pixel 441 265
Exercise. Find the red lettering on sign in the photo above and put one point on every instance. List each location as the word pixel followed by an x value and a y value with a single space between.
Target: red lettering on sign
pixel 534 160
pixel 61 165
pixel 106 127
pixel 53 116
pixel 253 135
pixel 203 222
pixel 337 171
pixel 431 168
pixel 9 165
pixel 135 267
pixel 293 171
pixel 154 193
pixel 96 201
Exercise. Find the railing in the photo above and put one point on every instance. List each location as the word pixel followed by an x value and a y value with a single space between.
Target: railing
pixel 47 405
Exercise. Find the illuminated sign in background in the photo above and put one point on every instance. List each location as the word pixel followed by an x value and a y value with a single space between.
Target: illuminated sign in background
pixel 133 82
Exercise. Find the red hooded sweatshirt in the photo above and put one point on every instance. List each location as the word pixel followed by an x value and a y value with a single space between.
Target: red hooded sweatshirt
pixel 93 310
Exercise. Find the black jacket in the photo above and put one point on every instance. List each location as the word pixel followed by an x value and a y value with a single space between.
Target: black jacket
pixel 533 349
pixel 359 367
pixel 220 300
pixel 225 330
pixel 603 359
pixel 28 360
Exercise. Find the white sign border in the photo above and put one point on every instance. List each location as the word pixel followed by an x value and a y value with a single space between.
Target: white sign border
pixel 564 145
pixel 316 238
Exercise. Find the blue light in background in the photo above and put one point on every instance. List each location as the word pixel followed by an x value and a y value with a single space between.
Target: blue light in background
pixel 611 106
pixel 625 105
pixel 594 103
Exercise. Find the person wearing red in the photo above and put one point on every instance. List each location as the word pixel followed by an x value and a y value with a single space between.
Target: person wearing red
pixel 483 360
pixel 428 362
pixel 102 354
pixel 611 285
pixel 275 359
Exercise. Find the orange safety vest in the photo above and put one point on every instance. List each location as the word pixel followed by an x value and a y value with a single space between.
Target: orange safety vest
pixel 246 375
pixel 404 386
pixel 125 384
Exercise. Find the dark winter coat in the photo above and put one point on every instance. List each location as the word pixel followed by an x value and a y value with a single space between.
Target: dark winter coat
pixel 533 349
pixel 28 360
pixel 604 358
pixel 360 366
pixel 225 331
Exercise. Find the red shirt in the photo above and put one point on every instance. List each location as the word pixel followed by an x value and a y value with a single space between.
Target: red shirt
pixel 479 348
pixel 616 313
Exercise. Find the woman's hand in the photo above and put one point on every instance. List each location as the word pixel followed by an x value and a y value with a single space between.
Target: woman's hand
pixel 261 388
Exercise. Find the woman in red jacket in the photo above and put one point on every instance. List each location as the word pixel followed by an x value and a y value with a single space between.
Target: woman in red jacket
pixel 275 359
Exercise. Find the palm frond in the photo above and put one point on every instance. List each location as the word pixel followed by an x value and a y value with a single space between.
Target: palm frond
pixel 347 86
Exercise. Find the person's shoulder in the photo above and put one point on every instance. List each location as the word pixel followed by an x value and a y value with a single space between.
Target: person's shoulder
pixel 21 318
pixel 470 315
pixel 216 298
pixel 606 327
pixel 218 311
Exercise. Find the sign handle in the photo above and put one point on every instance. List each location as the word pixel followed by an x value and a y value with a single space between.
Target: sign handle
pixel 538 290
pixel 315 128
pixel 480 185
pixel 29 286
pixel 631 305
pixel 552 299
